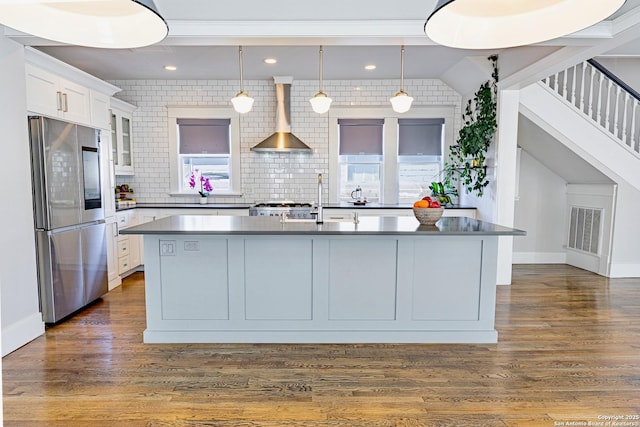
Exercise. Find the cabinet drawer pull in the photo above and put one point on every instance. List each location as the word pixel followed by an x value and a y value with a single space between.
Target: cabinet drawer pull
pixel 65 105
pixel 59 101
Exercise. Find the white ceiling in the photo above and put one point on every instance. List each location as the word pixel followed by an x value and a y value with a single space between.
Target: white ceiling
pixel 204 38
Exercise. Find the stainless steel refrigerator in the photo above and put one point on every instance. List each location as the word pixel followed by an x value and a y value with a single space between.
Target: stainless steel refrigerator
pixel 69 216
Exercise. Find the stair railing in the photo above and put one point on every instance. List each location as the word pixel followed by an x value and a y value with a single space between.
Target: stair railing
pixel 600 95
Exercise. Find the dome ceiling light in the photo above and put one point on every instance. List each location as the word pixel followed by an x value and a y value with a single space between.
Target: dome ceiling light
pixel 242 102
pixel 494 24
pixel 401 102
pixel 320 101
pixel 112 24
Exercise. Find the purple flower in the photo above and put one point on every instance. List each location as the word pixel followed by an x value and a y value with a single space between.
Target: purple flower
pixel 205 185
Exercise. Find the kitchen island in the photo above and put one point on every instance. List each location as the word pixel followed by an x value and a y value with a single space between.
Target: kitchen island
pixel 259 279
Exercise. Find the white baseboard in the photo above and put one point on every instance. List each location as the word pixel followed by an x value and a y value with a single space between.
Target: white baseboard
pixel 539 258
pixel 624 270
pixel 22 332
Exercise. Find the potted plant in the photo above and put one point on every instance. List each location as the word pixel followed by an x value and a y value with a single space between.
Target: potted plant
pixel 441 193
pixel 467 158
pixel 197 180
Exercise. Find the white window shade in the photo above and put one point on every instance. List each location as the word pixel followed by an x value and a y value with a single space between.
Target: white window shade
pixel 361 136
pixel 203 136
pixel 420 137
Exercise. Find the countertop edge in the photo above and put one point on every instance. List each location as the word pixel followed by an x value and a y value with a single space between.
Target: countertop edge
pixel 371 226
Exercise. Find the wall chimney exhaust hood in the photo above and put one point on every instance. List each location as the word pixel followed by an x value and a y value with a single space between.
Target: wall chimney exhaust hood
pixel 282 141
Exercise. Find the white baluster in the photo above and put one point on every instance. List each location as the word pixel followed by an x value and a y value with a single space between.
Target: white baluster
pixel 582 77
pixel 607 120
pixel 633 125
pixel 591 83
pixel 616 108
pixel 599 109
pixel 573 85
pixel 564 84
pixel 627 98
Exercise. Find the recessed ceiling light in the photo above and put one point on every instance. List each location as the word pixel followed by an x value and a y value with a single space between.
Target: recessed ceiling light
pixel 170 67
pixel 270 60
pixel 370 67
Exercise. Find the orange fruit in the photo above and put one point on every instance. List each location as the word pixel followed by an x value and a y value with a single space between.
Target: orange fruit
pixel 421 204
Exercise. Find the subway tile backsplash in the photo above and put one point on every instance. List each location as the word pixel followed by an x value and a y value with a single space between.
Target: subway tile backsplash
pixel 265 176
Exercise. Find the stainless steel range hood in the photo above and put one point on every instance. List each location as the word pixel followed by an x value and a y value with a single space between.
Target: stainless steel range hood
pixel 282 141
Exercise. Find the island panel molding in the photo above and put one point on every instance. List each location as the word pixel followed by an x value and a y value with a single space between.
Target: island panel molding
pixel 382 280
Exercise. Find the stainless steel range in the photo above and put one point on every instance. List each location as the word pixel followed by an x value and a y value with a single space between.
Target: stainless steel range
pixel 290 209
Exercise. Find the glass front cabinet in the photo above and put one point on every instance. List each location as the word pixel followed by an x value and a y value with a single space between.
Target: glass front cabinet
pixel 121 136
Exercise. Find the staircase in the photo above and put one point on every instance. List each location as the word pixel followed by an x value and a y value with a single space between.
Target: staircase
pixel 593 114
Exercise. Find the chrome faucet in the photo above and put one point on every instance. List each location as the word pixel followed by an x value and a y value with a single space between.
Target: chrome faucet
pixel 319 216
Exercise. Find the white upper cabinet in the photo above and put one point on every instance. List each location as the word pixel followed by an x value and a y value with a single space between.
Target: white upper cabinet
pixel 100 106
pixel 122 136
pixel 58 90
pixel 54 96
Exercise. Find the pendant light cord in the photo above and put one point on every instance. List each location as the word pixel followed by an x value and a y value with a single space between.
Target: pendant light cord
pixel 320 68
pixel 402 68
pixel 241 71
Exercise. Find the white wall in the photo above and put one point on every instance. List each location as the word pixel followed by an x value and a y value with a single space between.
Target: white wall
pixel 625 255
pixel 540 210
pixel 265 176
pixel 21 318
pixel 624 68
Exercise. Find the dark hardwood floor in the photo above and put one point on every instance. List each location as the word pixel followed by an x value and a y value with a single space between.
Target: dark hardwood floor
pixel 568 354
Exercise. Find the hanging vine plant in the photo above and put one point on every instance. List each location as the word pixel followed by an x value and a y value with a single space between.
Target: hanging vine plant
pixel 466 163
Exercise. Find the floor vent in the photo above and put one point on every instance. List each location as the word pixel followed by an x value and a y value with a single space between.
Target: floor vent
pixel 584 229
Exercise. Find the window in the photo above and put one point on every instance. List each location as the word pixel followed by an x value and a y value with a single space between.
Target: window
pixel 361 157
pixel 419 156
pixel 394 158
pixel 207 139
pixel 203 144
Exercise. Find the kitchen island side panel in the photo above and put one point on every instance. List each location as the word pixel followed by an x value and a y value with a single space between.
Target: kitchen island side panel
pixel 326 288
pixel 194 280
pixel 278 279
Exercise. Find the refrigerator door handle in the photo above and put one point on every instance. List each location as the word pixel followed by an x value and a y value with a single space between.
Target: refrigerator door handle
pixel 38 174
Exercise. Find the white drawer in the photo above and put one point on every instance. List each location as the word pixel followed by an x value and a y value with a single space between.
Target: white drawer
pixel 123 246
pixel 124 264
pixel 126 219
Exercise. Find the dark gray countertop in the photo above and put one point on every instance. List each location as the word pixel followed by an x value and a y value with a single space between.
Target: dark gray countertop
pixel 264 225
pixel 222 206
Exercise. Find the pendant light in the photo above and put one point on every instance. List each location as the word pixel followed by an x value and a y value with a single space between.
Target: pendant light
pixel 114 24
pixel 494 24
pixel 320 101
pixel 242 102
pixel 401 102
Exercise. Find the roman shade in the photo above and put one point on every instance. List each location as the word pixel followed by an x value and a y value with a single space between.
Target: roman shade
pixel 420 137
pixel 203 136
pixel 360 136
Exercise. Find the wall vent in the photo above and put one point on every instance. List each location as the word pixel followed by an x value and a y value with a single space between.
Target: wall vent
pixel 584 229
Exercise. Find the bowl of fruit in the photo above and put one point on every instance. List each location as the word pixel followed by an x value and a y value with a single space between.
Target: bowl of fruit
pixel 427 211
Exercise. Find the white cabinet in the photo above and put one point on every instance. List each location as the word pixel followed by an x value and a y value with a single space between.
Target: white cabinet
pixel 100 106
pixel 469 213
pixel 234 212
pixel 347 214
pixel 54 96
pixel 58 90
pixel 121 136
pixel 113 269
pixel 108 178
pixel 129 247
